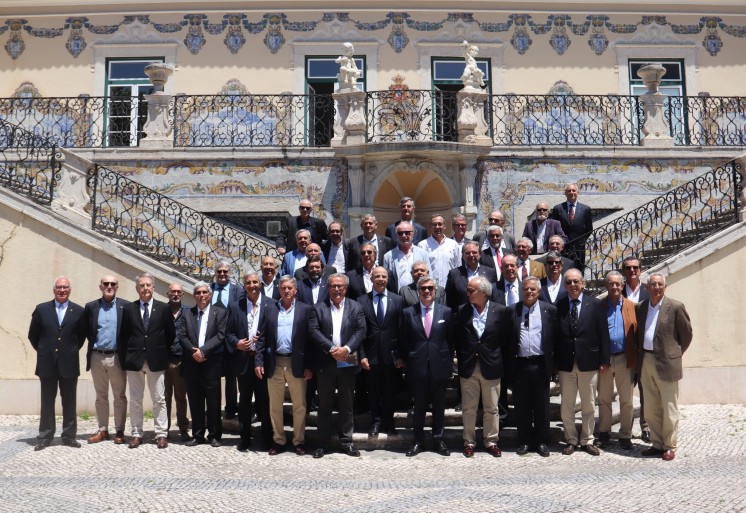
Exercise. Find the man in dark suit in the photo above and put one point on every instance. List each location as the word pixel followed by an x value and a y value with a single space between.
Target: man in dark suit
pixel 286 241
pixel 493 255
pixel 406 208
pixel 576 220
pixel 481 333
pixel 458 278
pixel 582 351
pixel 103 320
pixel 174 383
pixel 508 287
pixel 557 244
pixel 147 343
pixel 663 336
pixel 225 292
pixel 313 250
pixel 426 350
pixel 410 294
pixel 496 218
pixel 383 244
pixel 201 333
pixel 282 357
pixel 336 249
pixel 245 317
pixel 553 285
pixel 57 332
pixel 270 280
pixel 360 278
pixel 531 354
pixel 382 309
pixel 337 329
pixel 313 289
pixel 541 228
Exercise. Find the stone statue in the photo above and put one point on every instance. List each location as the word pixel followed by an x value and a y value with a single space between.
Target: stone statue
pixel 472 77
pixel 348 72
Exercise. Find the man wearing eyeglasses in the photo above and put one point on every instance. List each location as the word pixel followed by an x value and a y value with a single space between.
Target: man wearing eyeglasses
pixel 541 228
pixel 410 293
pixel 581 352
pixel 553 285
pixel 383 244
pixel 406 208
pixel 361 279
pixel 174 383
pixel 336 249
pixel 557 244
pixel 459 226
pixel 398 262
pixel 493 255
pixel 496 218
pixel 286 240
pixel 531 355
pixel 103 319
pixel 426 351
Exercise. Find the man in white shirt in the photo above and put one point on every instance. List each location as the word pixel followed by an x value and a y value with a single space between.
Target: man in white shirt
pixel 443 252
pixel 335 249
pixel 398 262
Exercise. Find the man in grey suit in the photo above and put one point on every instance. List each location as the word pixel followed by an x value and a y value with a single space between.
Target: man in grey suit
pixel 664 333
pixel 103 318
pixel 337 329
pixel 57 333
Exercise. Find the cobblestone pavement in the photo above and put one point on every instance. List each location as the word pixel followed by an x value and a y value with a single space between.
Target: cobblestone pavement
pixel 708 475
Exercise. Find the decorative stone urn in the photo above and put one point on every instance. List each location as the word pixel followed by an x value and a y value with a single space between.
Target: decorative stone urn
pixel 159 73
pixel 158 128
pixel 655 129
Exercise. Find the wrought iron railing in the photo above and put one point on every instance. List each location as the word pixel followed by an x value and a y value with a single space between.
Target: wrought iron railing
pixel 674 221
pixel 253 120
pixel 167 230
pixel 411 115
pixel 80 122
pixel 707 120
pixel 29 164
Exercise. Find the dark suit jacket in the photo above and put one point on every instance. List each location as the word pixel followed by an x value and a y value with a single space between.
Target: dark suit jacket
pixel 420 233
pixel 486 350
pixel 301 273
pixel 410 296
pixel 326 247
pixel 457 282
pixel 500 291
pixel 155 345
pixel 187 333
pixel 57 346
pixel 286 238
pixel 356 289
pixel 91 322
pixel 508 238
pixel 275 290
pixel 544 294
pixel 320 327
pixel 266 346
pixel 235 292
pixel 673 335
pixel 381 340
pixel 238 329
pixel 421 352
pixel 643 293
pixel 589 345
pixel 580 227
pixel 385 244
pixel 486 258
pixel 305 295
pixel 531 231
pixel 549 329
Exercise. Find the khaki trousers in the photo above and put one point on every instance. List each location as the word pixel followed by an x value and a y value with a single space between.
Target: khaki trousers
pixel 136 381
pixel 276 389
pixel 661 405
pixel 570 384
pixel 617 373
pixel 471 389
pixel 106 371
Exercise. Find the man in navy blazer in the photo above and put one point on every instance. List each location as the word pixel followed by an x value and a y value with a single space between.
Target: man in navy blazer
pixel 553 285
pixel 426 350
pixel 282 357
pixel 200 331
pixel 541 228
pixel 336 249
pixel 286 240
pixel 406 208
pixel 458 278
pixel 245 317
pixel 383 244
pixel 148 341
pixel 481 339
pixel 576 220
pixel 313 289
pixel 582 350
pixel 270 280
pixel 337 329
pixel 382 309
pixel 360 278
pixel 533 329
pixel 103 320
pixel 57 332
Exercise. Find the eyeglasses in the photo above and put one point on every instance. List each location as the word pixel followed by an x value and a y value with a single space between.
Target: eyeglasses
pixel 572 282
pixel 61 287
pixel 304 208
pixel 542 210
pixel 554 262
pixel 368 252
pixel 470 290
pixel 631 267
pixel 337 286
pixel 460 225
pixel 222 272
pixel 426 288
pixel 202 293
pixel 176 292
pixel 109 283
pixel 493 220
pixel 405 233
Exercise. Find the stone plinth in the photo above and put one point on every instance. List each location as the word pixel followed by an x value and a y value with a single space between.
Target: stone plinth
pixel 471 125
pixel 350 128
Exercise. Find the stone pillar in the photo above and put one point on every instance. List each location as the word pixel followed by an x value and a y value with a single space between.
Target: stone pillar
pixel 350 129
pixel 655 128
pixel 158 127
pixel 741 170
pixel 356 192
pixel 469 196
pixel 471 125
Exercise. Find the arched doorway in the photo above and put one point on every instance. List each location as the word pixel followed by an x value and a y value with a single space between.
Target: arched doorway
pixel 430 193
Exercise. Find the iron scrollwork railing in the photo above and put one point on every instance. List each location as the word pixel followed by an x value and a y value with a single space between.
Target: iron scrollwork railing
pixel 253 120
pixel 169 231
pixel 707 120
pixel 674 221
pixel 411 115
pixel 29 164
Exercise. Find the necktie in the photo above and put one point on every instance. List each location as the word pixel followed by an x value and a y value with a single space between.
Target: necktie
pixel 524 271
pixel 60 314
pixel 428 321
pixel 199 320
pixel 572 212
pixel 499 258
pixel 219 301
pixel 145 316
pixel 511 299
pixel 574 315
pixel 380 312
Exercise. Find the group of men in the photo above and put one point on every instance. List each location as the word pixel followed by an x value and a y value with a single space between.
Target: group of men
pixel 379 306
